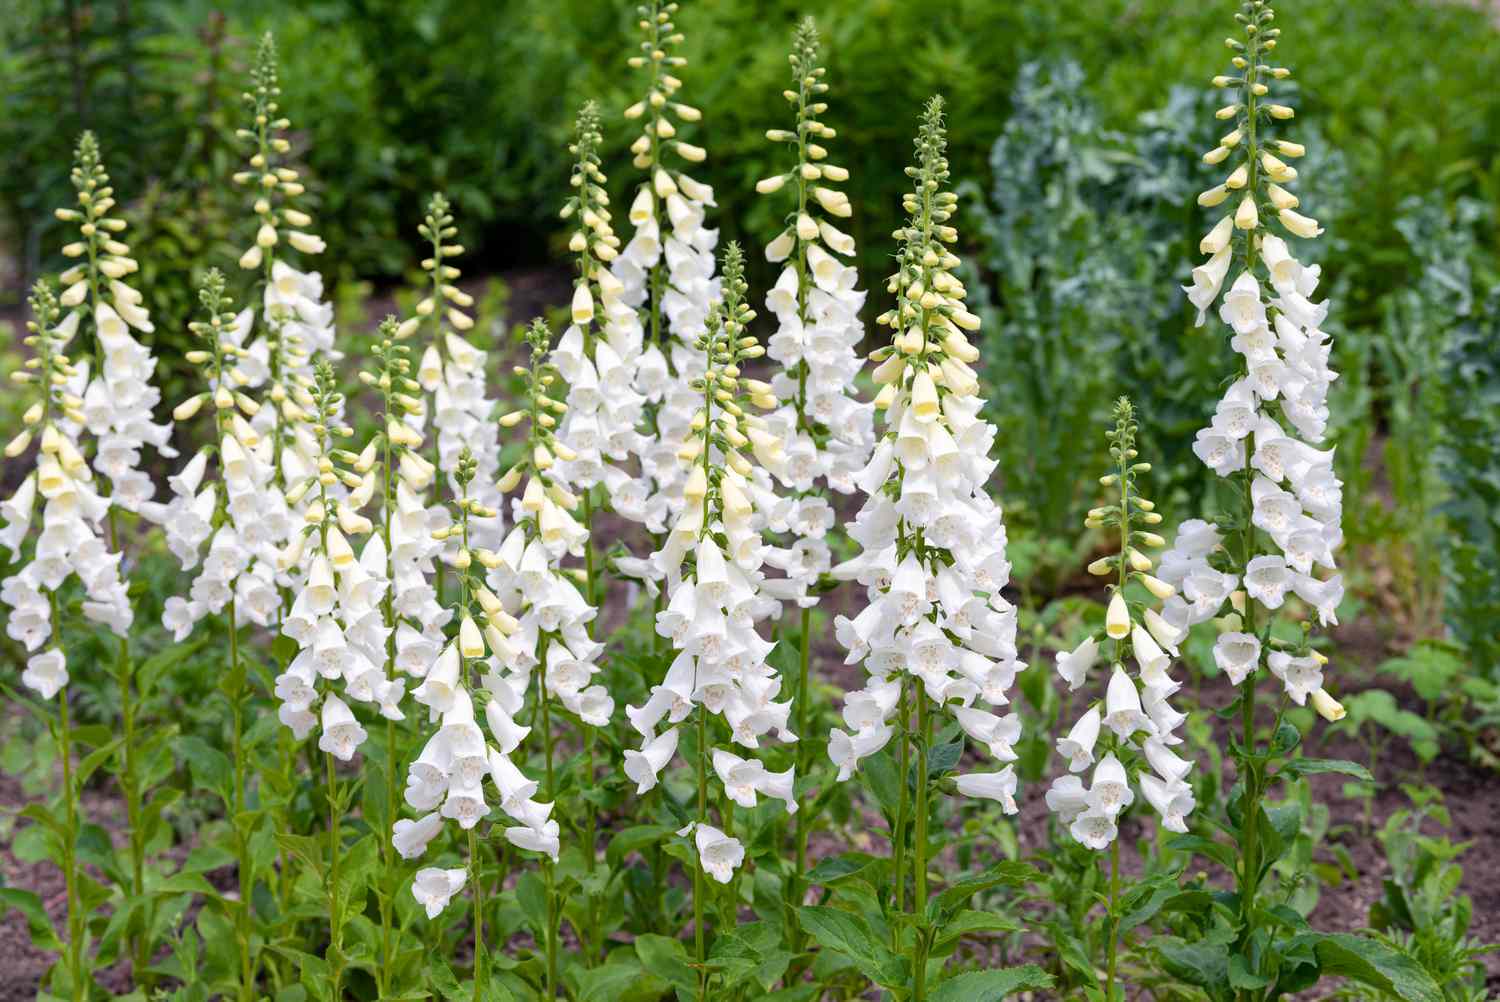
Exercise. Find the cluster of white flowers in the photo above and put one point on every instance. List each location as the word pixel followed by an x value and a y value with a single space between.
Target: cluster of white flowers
pixel 1265 429
pixel 452 371
pixel 1135 710
pixel 336 618
pixel 526 573
pixel 604 409
pixel 825 432
pixel 715 602
pixel 933 561
pixel 667 275
pixel 240 518
pixel 447 778
pixel 529 616
pixel 71 539
pixel 119 398
pixel 263 448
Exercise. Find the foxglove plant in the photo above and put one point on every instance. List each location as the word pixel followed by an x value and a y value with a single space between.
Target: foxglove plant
pixel 1129 734
pixel 387 461
pixel 118 401
pixel 446 780
pixel 336 619
pixel 826 434
pixel 936 635
pixel 240 566
pixel 552 640
pixel 666 270
pixel 1278 537
pixel 711 563
pixel 69 542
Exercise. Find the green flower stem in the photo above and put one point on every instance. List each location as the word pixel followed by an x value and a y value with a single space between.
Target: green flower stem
pixel 1249 876
pixel 699 888
pixel 243 865
pixel 76 974
pixel 139 945
pixel 804 729
pixel 919 864
pixel 551 795
pixel 474 878
pixel 335 850
pixel 898 833
pixel 1112 964
pixel 475 875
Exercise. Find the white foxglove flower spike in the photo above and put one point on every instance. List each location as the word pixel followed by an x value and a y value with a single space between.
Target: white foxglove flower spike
pixel 1137 723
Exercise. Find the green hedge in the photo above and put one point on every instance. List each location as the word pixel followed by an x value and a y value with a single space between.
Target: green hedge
pixel 476 96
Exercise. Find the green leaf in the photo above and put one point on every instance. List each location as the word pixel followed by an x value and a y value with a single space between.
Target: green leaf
pixel 667 959
pixel 1315 766
pixel 1009 872
pixel 1204 965
pixel 799 993
pixel 610 982
pixel 43 936
pixel 1241 977
pixel 969 923
pixel 210 767
pixel 623 843
pixel 992 986
pixel 1217 851
pixel 879 774
pixel 942 758
pixel 831 871
pixel 1373 963
pixel 149 671
pixel 849 934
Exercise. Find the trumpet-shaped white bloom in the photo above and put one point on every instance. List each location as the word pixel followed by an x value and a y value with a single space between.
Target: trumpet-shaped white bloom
pixel 932 541
pixel 1135 723
pixel 70 536
pixel 1271 419
pixel 434 888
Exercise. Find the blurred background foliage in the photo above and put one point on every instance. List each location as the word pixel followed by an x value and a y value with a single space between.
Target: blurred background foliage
pixel 1075 128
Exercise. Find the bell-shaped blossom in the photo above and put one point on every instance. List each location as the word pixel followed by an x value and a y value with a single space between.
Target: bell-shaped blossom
pixel 934 621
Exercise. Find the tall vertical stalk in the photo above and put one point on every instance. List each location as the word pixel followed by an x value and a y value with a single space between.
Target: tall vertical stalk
pixel 241 848
pixel 699 889
pixel 551 794
pixel 898 833
pixel 335 850
pixel 919 863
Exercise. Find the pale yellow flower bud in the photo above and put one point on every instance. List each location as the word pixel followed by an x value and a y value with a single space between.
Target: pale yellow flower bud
pixel 1328 708
pixel 1246 217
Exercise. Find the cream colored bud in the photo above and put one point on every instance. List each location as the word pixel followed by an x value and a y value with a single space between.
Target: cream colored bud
pixel 1213 196
pixel 1328 708
pixel 189 407
pixel 1246 217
